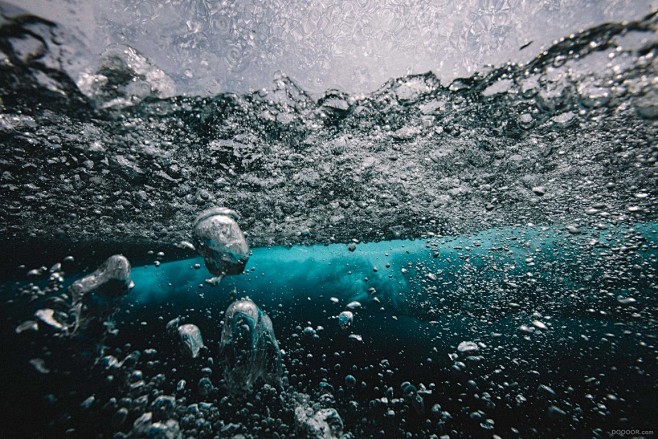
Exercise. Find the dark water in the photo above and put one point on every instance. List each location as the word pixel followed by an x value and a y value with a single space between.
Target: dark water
pixel 514 210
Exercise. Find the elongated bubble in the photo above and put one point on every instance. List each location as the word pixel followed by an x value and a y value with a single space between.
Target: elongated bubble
pixel 96 296
pixel 111 279
pixel 248 347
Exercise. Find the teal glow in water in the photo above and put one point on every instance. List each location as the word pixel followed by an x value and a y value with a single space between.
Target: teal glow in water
pixel 536 306
pixel 398 270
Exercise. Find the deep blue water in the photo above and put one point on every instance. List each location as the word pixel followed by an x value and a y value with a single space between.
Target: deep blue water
pixel 596 353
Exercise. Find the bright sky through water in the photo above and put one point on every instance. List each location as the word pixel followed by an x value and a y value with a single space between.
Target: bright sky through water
pixel 208 47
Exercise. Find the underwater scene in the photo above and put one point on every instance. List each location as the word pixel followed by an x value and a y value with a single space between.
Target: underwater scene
pixel 197 256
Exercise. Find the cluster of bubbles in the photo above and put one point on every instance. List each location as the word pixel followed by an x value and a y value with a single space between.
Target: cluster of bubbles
pixel 563 147
pixel 416 156
pixel 250 357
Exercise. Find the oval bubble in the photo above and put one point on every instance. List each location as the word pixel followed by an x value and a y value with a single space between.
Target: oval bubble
pixel 218 238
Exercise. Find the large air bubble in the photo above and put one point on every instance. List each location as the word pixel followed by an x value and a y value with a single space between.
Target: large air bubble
pixel 218 238
pixel 111 279
pixel 96 296
pixel 249 348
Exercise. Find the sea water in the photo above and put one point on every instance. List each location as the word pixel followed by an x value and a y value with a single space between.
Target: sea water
pixel 475 259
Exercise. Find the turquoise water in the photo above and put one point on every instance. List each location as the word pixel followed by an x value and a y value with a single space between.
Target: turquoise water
pixel 510 329
pixel 398 270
